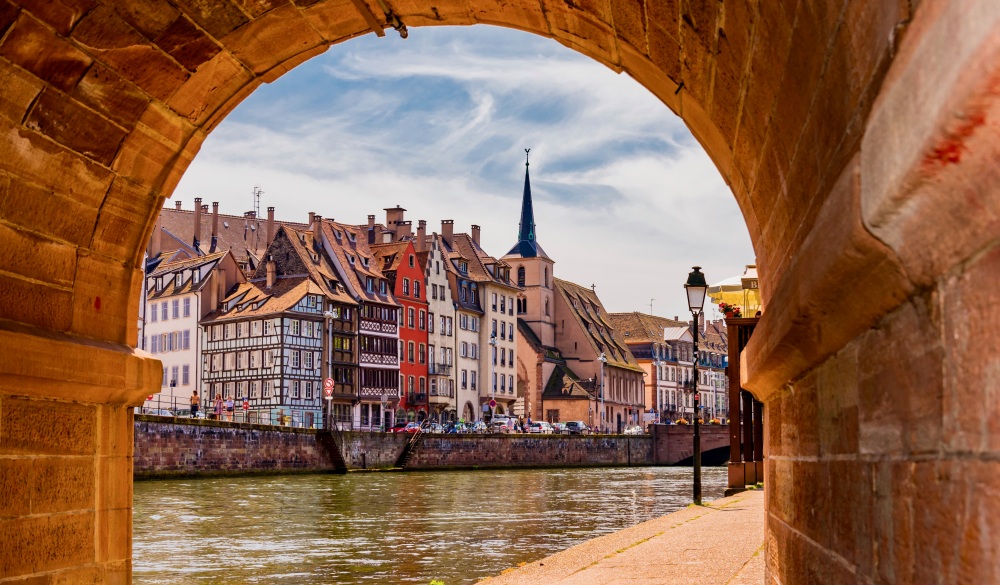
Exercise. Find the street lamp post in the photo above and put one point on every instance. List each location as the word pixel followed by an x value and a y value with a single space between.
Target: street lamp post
pixel 696 287
pixel 491 381
pixel 328 404
pixel 603 359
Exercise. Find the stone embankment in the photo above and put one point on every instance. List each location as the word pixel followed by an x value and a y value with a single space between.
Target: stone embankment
pixel 181 447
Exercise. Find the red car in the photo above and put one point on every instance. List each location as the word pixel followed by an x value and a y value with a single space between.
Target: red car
pixel 411 427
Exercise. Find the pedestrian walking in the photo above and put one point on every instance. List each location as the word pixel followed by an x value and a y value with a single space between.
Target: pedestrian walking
pixel 194 404
pixel 218 407
pixel 229 408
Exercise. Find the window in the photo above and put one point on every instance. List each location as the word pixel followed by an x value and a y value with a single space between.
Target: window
pixel 154 346
pixel 422 320
pixel 294 326
pixel 409 351
pixel 153 314
pixel 503 304
pixel 195 277
pixel 546 307
pixel 423 385
pixel 510 383
pixel 179 280
pixel 416 289
pixel 370 284
pixel 268 327
pixel 411 260
pixel 309 361
pixel 381 286
pixel 421 357
pixel 309 390
pixel 230 330
pixel 474 351
pixel 296 357
pixel 254 387
pixel 255 359
pixel 494 303
pixel 406 286
pixel 241 329
pixel 296 393
pixel 465 378
pixel 163 311
pixel 173 376
pixel 510 305
pixel 510 360
pixel 449 325
pixel 229 361
pixel 430 323
pixel 493 329
pixel 176 309
pixel 472 379
pixel 520 276
pixel 409 317
pixel 503 330
pixel 268 385
pixel 463 351
pixel 187 307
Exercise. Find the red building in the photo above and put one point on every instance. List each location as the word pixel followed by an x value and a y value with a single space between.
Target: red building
pixel 406 276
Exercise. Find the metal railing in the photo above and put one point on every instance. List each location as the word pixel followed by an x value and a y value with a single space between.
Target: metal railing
pixel 285 417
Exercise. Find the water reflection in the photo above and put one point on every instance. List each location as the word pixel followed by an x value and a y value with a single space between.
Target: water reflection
pixel 389 527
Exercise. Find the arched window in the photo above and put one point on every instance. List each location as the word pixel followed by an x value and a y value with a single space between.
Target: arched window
pixel 547 307
pixel 520 276
pixel 546 281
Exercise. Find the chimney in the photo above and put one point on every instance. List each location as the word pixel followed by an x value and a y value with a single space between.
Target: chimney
pixel 403 230
pixel 312 217
pixel 317 226
pixel 197 222
pixel 215 224
pixel 272 272
pixel 177 205
pixel 447 230
pixel 421 235
pixel 475 234
pixel 155 240
pixel 394 216
pixel 371 229
pixel 270 224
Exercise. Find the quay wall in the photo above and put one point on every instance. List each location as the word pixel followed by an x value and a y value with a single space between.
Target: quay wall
pixel 180 447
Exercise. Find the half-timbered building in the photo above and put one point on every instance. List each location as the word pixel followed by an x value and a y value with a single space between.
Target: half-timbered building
pixel 276 338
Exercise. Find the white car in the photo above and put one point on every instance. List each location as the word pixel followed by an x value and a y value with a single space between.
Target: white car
pixel 540 427
pixel 502 424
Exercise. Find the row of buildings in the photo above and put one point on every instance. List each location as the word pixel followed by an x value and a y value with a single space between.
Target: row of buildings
pixel 378 322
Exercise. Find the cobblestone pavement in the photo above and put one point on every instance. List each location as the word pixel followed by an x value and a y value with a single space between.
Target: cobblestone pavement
pixel 720 543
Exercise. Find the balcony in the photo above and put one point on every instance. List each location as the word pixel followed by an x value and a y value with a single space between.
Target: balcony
pixel 416 398
pixel 442 393
pixel 439 369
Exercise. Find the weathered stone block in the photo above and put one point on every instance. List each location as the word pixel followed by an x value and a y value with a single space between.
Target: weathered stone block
pixel 122 48
pixel 114 483
pixel 20 90
pixel 271 39
pixel 35 544
pixel 61 484
pixel 112 96
pixel 41 427
pixel 31 45
pixel 217 18
pixel 59 14
pixel 78 128
pixel 15 485
pixel 186 43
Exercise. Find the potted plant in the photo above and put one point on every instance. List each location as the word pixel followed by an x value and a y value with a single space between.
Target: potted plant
pixel 681 421
pixel 730 311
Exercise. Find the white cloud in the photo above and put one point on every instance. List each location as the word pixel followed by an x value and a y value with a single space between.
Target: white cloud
pixel 624 196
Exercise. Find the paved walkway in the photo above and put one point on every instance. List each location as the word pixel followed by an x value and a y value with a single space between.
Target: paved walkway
pixel 721 543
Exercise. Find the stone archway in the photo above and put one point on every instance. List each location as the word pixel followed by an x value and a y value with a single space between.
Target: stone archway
pixel 872 213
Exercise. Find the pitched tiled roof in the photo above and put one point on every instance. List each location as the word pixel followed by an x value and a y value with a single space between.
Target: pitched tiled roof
pixel 172 268
pixel 389 255
pixel 550 353
pixel 639 327
pixel 244 237
pixel 251 299
pixel 308 262
pixel 478 260
pixel 591 316
pixel 354 259
pixel 565 384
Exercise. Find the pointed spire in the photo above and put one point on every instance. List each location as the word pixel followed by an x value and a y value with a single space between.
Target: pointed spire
pixel 526 229
pixel 526 246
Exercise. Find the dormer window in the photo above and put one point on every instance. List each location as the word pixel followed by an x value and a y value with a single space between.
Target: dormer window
pixel 179 280
pixel 411 260
pixel 159 283
pixel 382 287
pixel 350 236
pixel 463 267
pixel 364 262
pixel 195 277
pixel 337 233
pixel 350 258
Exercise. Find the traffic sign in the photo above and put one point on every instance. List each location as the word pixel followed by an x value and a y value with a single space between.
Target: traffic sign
pixel 329 392
pixel 328 383
pixel 493 403
pixel 150 397
pixel 246 404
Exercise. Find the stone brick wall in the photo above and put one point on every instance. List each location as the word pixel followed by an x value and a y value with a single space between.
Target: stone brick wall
pixel 468 451
pixel 164 449
pixel 363 450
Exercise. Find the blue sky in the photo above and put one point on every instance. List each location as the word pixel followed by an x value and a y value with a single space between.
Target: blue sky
pixel 625 198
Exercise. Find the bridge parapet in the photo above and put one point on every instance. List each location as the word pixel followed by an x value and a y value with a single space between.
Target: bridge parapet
pixel 674 443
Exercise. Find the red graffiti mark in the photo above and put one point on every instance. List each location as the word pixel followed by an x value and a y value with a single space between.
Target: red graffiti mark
pixel 97 304
pixel 950 149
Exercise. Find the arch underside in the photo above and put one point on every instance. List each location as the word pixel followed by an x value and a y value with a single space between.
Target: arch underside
pixel 863 162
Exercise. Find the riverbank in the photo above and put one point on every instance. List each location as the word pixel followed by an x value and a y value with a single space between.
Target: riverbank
pixel 167 447
pixel 720 543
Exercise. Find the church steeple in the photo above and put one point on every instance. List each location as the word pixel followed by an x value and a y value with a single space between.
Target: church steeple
pixel 526 229
pixel 526 246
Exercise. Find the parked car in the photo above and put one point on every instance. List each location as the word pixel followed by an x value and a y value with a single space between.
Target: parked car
pixel 435 428
pixel 559 429
pixel 478 427
pixel 410 427
pixel 577 427
pixel 633 430
pixel 159 412
pixel 502 424
pixel 540 427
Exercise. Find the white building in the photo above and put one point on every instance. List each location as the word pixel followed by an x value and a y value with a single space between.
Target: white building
pixel 444 399
pixel 178 295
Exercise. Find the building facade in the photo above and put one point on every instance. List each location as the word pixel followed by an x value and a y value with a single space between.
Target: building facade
pixel 441 351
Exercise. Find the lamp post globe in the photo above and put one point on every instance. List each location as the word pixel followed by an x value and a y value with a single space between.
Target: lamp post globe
pixel 696 288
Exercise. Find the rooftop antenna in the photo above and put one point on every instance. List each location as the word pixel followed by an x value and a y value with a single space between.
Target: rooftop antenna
pixel 651 307
pixel 257 192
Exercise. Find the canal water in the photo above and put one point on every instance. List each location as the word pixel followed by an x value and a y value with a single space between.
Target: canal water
pixel 411 527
